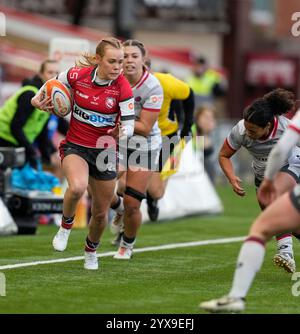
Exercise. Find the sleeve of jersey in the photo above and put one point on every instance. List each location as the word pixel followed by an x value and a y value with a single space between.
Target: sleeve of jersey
pixel 234 139
pixel 280 152
pixel 155 99
pixel 127 116
pixel 69 76
pixel 63 77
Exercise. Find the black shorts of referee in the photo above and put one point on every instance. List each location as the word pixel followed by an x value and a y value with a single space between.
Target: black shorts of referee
pixel 168 144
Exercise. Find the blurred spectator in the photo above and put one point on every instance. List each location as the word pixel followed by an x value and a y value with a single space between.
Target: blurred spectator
pixel 205 123
pixel 57 130
pixel 21 124
pixel 206 83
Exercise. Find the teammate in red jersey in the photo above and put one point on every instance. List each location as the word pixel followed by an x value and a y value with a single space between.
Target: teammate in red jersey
pixel 102 97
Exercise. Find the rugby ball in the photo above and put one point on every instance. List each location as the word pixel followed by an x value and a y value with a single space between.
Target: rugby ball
pixel 60 95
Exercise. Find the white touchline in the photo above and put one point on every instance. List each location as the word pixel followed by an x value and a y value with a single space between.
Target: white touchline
pixel 136 250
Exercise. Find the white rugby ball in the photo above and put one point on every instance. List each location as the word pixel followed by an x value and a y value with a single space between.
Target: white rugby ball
pixel 60 95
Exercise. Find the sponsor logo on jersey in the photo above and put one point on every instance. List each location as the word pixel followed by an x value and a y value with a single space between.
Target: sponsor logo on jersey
pixel 82 84
pixel 111 92
pixel 95 98
pixel 156 98
pixel 93 118
pixel 110 102
pixel 81 94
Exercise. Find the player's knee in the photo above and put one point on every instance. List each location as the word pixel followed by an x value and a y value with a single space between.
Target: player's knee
pixel 131 208
pixel 77 189
pixel 131 205
pixel 157 193
pixel 99 216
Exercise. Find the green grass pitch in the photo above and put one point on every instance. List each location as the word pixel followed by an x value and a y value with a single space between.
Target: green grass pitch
pixel 159 282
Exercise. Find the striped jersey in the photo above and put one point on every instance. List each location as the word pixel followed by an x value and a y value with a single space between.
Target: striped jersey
pixel 97 104
pixel 260 149
pixel 148 96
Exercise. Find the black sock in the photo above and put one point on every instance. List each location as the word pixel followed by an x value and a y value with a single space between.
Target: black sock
pixel 128 240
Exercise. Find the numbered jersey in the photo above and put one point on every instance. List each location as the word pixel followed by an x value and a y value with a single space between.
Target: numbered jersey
pixel 260 149
pixel 97 104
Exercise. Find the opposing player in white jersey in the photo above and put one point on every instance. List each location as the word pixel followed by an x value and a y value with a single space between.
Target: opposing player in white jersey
pixel 259 130
pixel 283 214
pixel 139 157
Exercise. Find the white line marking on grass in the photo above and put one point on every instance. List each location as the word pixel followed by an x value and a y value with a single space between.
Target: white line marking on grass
pixel 137 250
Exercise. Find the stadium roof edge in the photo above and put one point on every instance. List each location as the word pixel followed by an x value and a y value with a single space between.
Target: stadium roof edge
pixel 25 25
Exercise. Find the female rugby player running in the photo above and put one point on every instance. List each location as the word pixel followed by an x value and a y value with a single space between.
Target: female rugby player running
pixel 260 129
pixel 283 214
pixel 101 96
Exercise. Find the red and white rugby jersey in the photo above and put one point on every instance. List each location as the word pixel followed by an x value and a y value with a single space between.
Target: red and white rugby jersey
pixel 148 96
pixel 98 105
pixel 260 149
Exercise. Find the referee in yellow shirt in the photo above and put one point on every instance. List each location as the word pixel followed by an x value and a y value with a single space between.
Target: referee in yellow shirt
pixel 178 100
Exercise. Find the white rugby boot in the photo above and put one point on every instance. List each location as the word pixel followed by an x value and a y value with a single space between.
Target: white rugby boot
pixel 123 253
pixel 90 261
pixel 224 304
pixel 60 241
pixel 285 261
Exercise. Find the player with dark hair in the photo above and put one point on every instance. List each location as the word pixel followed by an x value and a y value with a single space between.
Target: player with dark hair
pixel 258 132
pixel 281 215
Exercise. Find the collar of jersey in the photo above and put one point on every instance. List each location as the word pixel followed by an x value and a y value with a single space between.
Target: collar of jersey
pixel 141 80
pixel 99 82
